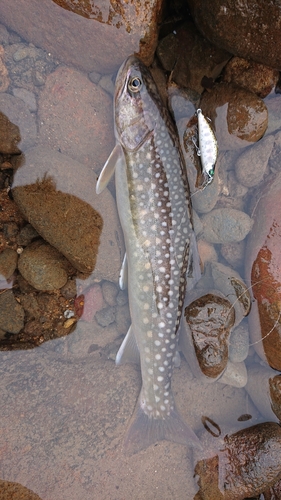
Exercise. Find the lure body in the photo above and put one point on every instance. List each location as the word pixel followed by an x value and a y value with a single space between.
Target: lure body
pixel 208 148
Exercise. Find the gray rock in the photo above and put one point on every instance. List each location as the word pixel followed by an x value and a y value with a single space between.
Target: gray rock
pixel 235 375
pixel 42 266
pixel 18 113
pixel 239 343
pixel 11 313
pixel 8 263
pixel 234 253
pixel 251 165
pixel 109 291
pixel 26 235
pixel 26 96
pixel 123 319
pixel 106 316
pixel 226 225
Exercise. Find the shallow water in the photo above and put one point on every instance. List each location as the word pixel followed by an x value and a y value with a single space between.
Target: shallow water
pixel 64 405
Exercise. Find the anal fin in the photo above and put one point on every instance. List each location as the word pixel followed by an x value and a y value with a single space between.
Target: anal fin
pixel 128 351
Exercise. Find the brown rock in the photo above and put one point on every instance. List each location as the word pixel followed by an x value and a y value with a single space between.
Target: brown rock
pixel 9 136
pixel 100 43
pixel 238 115
pixel 250 75
pixel 210 319
pixel 247 463
pixel 68 216
pixel 43 266
pixel 18 113
pixel 262 268
pixel 273 493
pixel 11 313
pixel 8 263
pixel 275 394
pixel 195 57
pixel 251 30
pixel 74 117
pixel 15 491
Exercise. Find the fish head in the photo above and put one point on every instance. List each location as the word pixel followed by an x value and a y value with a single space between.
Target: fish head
pixel 136 98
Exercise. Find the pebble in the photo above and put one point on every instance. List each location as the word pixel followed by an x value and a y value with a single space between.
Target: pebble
pixel 234 253
pixel 235 374
pixel 260 387
pixel 239 343
pixel 26 235
pixel 210 319
pixel 206 251
pixel 93 302
pixel 226 225
pixel 26 96
pixel 122 297
pixel 106 316
pixel 107 84
pixel 18 113
pixel 109 291
pixel 11 313
pixel 69 289
pixel 8 263
pixel 252 164
pixel 42 266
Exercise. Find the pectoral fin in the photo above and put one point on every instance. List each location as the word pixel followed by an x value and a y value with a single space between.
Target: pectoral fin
pixel 109 168
pixel 123 276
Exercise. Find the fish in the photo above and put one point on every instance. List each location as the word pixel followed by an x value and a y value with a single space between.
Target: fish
pixel 208 147
pixel 154 207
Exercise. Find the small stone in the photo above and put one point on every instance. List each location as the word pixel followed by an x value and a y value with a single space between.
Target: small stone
pixel 26 96
pixel 93 302
pixel 261 388
pixel 210 319
pixel 106 316
pixel 206 251
pixel 8 263
pixel 234 253
pixel 26 235
pixel 251 165
pixel 107 84
pixel 226 225
pixel 235 374
pixel 43 266
pixel 10 230
pixel 69 289
pixel 69 322
pixel 94 77
pixel 110 291
pixel 11 313
pixel 123 319
pixel 122 297
pixel 239 343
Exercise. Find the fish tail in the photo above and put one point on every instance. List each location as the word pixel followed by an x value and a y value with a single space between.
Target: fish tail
pixel 145 430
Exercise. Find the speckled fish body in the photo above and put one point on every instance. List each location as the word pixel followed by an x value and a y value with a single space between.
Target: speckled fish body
pixel 208 148
pixel 155 213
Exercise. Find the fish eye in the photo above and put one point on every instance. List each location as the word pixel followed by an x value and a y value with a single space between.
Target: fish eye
pixel 135 84
pixel 211 172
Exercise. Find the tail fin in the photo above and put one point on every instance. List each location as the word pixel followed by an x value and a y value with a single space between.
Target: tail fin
pixel 145 430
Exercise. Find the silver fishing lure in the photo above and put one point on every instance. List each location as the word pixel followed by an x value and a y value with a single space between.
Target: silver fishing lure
pixel 208 147
pixel 155 213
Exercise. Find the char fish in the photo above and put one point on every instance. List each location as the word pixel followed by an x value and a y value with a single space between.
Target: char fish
pixel 155 212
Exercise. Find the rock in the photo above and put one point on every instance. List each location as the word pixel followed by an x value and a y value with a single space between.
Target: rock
pixel 18 113
pixel 244 466
pixel 261 387
pixel 239 343
pixel 16 491
pixel 8 263
pixel 42 266
pixel 109 291
pixel 206 251
pixel 234 253
pixel 235 374
pixel 252 164
pixel 123 319
pixel 250 75
pixel 239 116
pixel 273 493
pixel 9 136
pixel 27 235
pixel 226 225
pixel 106 316
pixel 101 43
pixel 231 285
pixel 26 96
pixel 191 57
pixel 11 313
pixel 93 302
pixel 274 162
pixel 237 30
pixel 69 289
pixel 210 319
pixel 75 235
pixel 262 270
pixel 69 123
pixel 273 104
